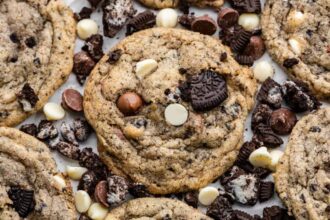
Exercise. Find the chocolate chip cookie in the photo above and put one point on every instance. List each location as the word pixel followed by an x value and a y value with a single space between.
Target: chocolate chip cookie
pixel 159 4
pixel 36 50
pixel 297 36
pixel 302 178
pixel 155 208
pixel 167 111
pixel 30 186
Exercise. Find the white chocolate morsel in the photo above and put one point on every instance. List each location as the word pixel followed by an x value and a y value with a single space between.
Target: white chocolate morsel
pixel 207 195
pixel 167 18
pixel 262 70
pixel 53 111
pixel 249 21
pixel 176 114
pixel 276 156
pixel 146 67
pixel 260 158
pixel 59 182
pixel 82 201
pixel 295 19
pixel 97 211
pixel 75 173
pixel 295 46
pixel 86 28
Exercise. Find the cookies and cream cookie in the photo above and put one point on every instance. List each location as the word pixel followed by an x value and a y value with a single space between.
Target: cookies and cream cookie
pixel 159 4
pixel 36 51
pixel 296 33
pixel 30 185
pixel 302 177
pixel 167 112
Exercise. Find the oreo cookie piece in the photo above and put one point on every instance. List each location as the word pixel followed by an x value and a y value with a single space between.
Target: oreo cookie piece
pixel 241 40
pixel 245 151
pixel 141 21
pixel 264 134
pixel 231 174
pixel 251 6
pixel 23 200
pixel 266 191
pixel 221 209
pixel 270 93
pixel 260 115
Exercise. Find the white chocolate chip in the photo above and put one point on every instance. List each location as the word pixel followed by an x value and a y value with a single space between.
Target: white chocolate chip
pixel 75 173
pixel 176 114
pixel 86 28
pixel 249 21
pixel 59 182
pixel 133 132
pixel 207 195
pixel 82 201
pixel 295 46
pixel 145 67
pixel 262 70
pixel 167 18
pixel 97 211
pixel 276 156
pixel 295 19
pixel 53 111
pixel 260 158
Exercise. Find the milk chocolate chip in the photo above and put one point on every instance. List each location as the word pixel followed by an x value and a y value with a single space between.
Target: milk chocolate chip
pixel 227 17
pixel 282 121
pixel 129 103
pixel 204 25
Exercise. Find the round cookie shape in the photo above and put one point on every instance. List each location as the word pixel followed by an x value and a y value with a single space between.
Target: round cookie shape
pixel 155 208
pixel 302 176
pixel 296 34
pixel 37 43
pixel 29 171
pixel 159 4
pixel 145 147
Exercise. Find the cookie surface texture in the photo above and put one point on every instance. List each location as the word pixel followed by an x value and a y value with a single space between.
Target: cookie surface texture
pixel 155 208
pixel 302 178
pixel 36 55
pixel 27 185
pixel 297 36
pixel 169 152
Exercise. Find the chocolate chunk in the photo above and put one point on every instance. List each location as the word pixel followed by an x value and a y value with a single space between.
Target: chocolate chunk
pixel 251 6
pixel 114 56
pixel 81 129
pixel 30 129
pixel 270 93
pixel 264 134
pixel 273 213
pixel 73 100
pixel 240 215
pixel 46 130
pixel 231 174
pixel 241 40
pixel 89 159
pixel 84 217
pixel 191 198
pixel 27 98
pixel 245 151
pixel 282 121
pixel 68 134
pixel 69 150
pixel 93 46
pixel 260 115
pixel 88 182
pixel 118 190
pixel 100 193
pixel 115 15
pixel 138 190
pixel 227 17
pixel 141 21
pixel 186 20
pixel 244 59
pixel 23 200
pixel 266 191
pixel 84 13
pixel 14 38
pixel 30 42
pixel 206 90
pixel 223 56
pixel 255 48
pixel 290 62
pixel 220 209
pixel 298 96
pixel 83 65
pixel 204 25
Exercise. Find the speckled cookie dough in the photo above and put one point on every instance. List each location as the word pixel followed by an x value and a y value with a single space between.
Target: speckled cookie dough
pixel 36 49
pixel 159 4
pixel 145 145
pixel 155 208
pixel 302 178
pixel 28 171
pixel 297 36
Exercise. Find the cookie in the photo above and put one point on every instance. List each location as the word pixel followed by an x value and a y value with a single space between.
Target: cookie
pixel 167 112
pixel 37 42
pixel 159 4
pixel 297 37
pixel 30 186
pixel 155 208
pixel 302 178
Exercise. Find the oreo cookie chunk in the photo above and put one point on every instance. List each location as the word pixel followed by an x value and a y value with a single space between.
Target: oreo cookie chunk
pixel 270 93
pixel 260 115
pixel 141 21
pixel 23 200
pixel 221 209
pixel 27 98
pixel 205 91
pixel 265 135
pixel 251 6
